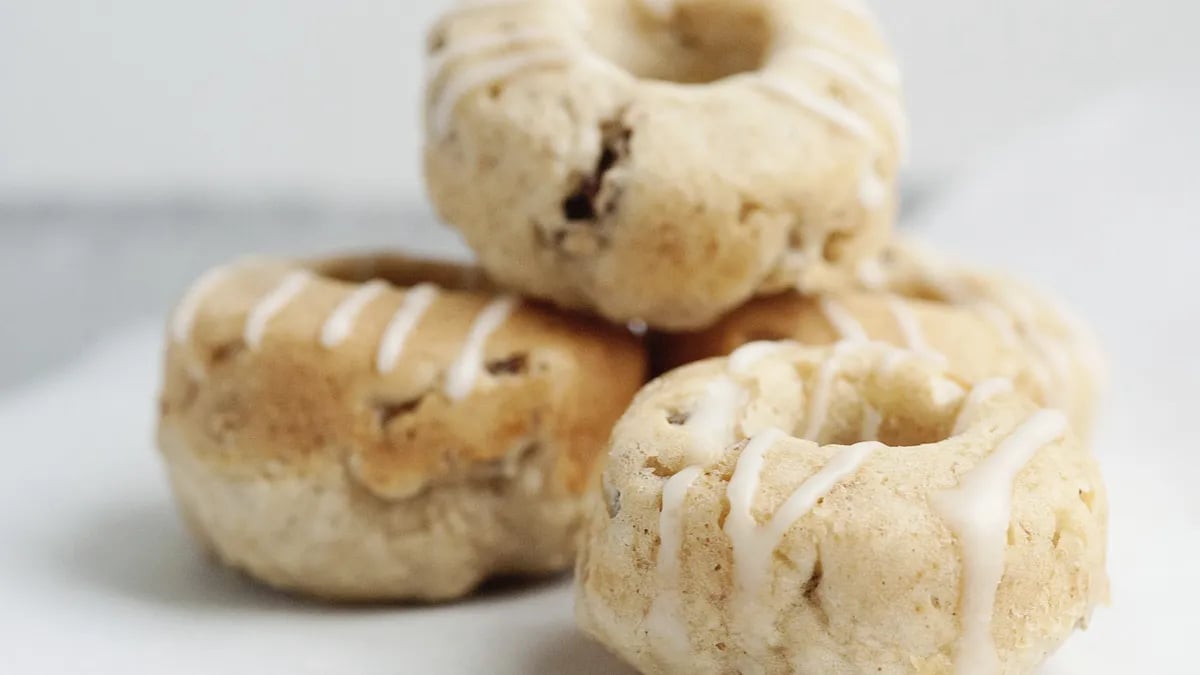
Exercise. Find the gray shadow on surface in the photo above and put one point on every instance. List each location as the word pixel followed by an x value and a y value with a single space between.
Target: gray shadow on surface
pixel 143 552
pixel 917 194
pixel 569 652
pixel 504 588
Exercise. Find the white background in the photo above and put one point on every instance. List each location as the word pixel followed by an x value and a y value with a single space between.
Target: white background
pixel 321 97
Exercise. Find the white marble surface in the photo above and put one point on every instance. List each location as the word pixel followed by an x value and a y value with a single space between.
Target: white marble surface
pixel 97 576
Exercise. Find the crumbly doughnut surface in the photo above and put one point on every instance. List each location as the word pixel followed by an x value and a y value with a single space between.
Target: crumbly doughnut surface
pixel 663 160
pixel 385 428
pixel 980 325
pixel 847 509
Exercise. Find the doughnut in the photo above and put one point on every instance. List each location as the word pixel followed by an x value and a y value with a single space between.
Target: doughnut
pixel 853 508
pixel 1069 363
pixel 380 428
pixel 981 324
pixel 664 160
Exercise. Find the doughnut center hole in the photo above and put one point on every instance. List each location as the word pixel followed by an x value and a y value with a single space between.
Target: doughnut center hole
pixel 897 411
pixel 686 41
pixel 403 272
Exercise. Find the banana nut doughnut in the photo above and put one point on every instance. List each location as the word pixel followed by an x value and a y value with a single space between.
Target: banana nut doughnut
pixel 664 160
pixel 846 509
pixel 1069 364
pixel 382 428
pixel 982 325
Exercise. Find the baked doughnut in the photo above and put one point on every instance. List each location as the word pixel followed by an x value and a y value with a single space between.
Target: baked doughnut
pixel 1068 361
pixel 981 324
pixel 663 160
pixel 385 428
pixel 846 509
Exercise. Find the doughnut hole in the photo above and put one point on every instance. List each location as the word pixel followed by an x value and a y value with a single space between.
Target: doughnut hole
pixel 691 42
pixel 902 408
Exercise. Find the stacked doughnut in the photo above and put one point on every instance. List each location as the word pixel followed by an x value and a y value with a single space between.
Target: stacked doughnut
pixel 379 427
pixel 867 457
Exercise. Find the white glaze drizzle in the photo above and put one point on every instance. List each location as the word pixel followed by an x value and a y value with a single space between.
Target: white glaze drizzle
pixel 461 376
pixel 1000 320
pixel 184 317
pixel 872 188
pixel 741 527
pixel 743 359
pixel 271 304
pixel 981 393
pixel 663 619
pixel 879 68
pixel 412 307
pixel 978 512
pixel 822 106
pixel 910 328
pixel 944 391
pixel 818 408
pixel 712 427
pixel 896 358
pixel 753 545
pixel 1053 361
pixel 712 423
pixel 871 274
pixel 847 327
pixel 885 101
pixel 1011 311
pixel 869 427
pixel 340 323
pixel 479 45
pixel 468 79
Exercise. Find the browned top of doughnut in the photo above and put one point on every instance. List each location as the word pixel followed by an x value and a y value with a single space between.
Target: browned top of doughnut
pixel 665 160
pixel 274 366
pixel 967 342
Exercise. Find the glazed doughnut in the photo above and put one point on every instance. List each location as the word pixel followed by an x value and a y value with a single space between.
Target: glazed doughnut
pixel 981 324
pixel 381 428
pixel 846 509
pixel 1069 364
pixel 664 160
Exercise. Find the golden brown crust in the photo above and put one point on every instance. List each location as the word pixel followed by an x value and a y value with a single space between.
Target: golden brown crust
pixel 984 325
pixel 549 386
pixel 797 538
pixel 664 168
pixel 970 344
